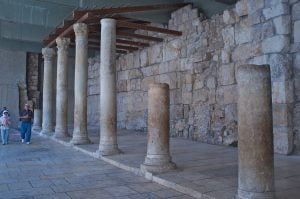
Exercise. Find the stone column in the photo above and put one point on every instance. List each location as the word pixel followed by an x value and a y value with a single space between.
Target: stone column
pixel 80 134
pixel 47 124
pixel 108 98
pixel 37 120
pixel 61 128
pixel 158 157
pixel 255 127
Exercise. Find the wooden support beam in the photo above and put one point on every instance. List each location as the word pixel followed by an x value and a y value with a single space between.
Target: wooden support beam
pixel 69 29
pixel 138 36
pixel 133 43
pixel 95 47
pixel 122 41
pixel 148 28
pixel 77 14
pixel 130 48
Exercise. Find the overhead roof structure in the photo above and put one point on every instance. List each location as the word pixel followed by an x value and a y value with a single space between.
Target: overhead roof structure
pixel 25 23
pixel 127 40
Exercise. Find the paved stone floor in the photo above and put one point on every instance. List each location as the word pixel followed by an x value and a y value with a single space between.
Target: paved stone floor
pixel 47 169
pixel 209 170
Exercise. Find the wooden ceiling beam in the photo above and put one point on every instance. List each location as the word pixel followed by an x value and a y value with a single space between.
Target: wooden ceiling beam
pixel 68 30
pixel 95 47
pixel 139 36
pixel 148 28
pixel 77 14
pixel 122 41
pixel 130 48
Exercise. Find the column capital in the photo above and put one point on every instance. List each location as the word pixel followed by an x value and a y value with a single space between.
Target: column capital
pixel 80 29
pixel 48 53
pixel 108 21
pixel 62 43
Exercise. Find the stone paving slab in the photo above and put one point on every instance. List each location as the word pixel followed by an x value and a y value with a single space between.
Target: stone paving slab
pixel 46 169
pixel 205 171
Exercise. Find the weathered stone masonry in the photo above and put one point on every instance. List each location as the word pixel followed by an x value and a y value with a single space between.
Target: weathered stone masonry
pixel 200 67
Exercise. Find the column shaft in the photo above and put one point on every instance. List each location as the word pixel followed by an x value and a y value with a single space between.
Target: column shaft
pixel 61 128
pixel 47 124
pixel 255 147
pixel 80 135
pixel 158 157
pixel 108 101
pixel 37 120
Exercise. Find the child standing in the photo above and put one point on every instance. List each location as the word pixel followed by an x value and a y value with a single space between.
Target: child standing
pixel 5 122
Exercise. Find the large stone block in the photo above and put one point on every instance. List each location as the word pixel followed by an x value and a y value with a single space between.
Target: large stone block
pixel 227 94
pixel 200 96
pixel 169 78
pixel 282 92
pixel 255 5
pixel 144 58
pixel 187 97
pixel 281 67
pixel 135 73
pixel 228 36
pixel 297 31
pixel 137 120
pixel 278 43
pixel 211 82
pixel 246 51
pixel 176 112
pixel 282 115
pixel 296 11
pixel 146 81
pixel 123 75
pixel 225 56
pixel 296 64
pixel 171 50
pixel 226 74
pixel 297 89
pixel 136 59
pixel 262 31
pixel 241 8
pixel 276 10
pixel 203 119
pixel 155 54
pixel 229 17
pixel 283 24
pixel 135 84
pixel 283 140
pixel 243 32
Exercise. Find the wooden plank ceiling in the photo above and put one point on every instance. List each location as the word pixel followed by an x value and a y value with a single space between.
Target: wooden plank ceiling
pixel 127 39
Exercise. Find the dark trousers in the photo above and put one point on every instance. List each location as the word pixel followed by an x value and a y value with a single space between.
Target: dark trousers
pixel 26 131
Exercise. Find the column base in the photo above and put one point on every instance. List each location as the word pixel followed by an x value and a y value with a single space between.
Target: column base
pixel 107 150
pixel 36 128
pixel 60 133
pixel 254 195
pixel 158 168
pixel 46 132
pixel 80 140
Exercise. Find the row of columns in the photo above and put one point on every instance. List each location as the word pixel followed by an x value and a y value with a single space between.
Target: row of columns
pixel 108 117
pixel 256 164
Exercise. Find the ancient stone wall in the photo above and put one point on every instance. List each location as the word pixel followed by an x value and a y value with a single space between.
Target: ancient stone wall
pixel 200 68
pixel 295 53
pixel 33 75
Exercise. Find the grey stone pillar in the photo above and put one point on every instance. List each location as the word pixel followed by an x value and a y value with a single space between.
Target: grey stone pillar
pixel 37 120
pixel 108 99
pixel 61 128
pixel 47 124
pixel 255 127
pixel 80 134
pixel 158 157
